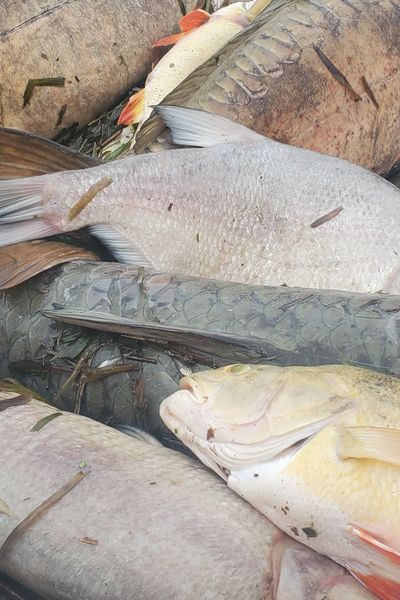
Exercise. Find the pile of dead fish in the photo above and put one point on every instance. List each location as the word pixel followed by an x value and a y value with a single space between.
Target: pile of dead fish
pixel 200 318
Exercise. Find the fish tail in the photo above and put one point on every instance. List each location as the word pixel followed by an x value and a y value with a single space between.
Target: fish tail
pixel 133 111
pixel 21 211
pixel 26 161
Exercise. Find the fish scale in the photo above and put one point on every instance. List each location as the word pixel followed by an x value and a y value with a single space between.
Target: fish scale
pixel 230 211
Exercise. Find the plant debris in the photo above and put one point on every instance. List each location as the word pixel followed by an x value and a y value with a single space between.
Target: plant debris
pixel 39 511
pixel 330 215
pixel 45 82
pixel 369 92
pixel 334 71
pixel 47 419
pixel 5 509
pixel 88 196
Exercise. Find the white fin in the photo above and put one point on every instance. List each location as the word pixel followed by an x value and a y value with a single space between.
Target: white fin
pixel 120 246
pixel 376 443
pixel 21 206
pixel 190 127
pixel 138 434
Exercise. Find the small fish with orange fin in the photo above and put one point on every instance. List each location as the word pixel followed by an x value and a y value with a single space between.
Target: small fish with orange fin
pixel 314 449
pixel 202 34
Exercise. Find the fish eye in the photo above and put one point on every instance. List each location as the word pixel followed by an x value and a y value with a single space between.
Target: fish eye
pixel 238 369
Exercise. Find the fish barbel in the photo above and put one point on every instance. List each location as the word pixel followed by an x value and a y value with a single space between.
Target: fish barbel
pixel 230 211
pixel 306 73
pixel 315 449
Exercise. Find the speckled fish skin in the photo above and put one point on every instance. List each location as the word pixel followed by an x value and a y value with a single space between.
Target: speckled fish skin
pixel 150 513
pixel 101 48
pixel 235 212
pixel 315 449
pixel 272 80
pixel 273 325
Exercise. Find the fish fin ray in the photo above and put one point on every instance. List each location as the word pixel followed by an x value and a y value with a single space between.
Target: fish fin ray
pixel 153 126
pixel 25 155
pixel 169 40
pixel 194 19
pixel 380 574
pixel 21 211
pixel 375 443
pixel 133 110
pixel 20 262
pixel 120 246
pixel 190 127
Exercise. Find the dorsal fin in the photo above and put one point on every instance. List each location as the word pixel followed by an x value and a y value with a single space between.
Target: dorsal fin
pixel 190 127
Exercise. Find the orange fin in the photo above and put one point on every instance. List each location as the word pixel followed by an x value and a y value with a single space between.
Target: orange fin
pixel 133 110
pixel 384 589
pixel 193 20
pixel 170 40
pixel 376 544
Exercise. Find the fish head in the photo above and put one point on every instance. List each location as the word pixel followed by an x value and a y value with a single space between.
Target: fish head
pixel 236 416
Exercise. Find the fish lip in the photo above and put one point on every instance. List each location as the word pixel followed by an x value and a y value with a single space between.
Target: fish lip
pixel 195 443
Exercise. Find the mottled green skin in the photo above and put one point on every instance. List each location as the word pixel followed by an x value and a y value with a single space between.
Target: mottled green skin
pixel 281 325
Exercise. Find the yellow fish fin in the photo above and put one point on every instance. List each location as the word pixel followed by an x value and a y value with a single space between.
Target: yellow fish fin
pixel 132 112
pixel 385 583
pixel 375 443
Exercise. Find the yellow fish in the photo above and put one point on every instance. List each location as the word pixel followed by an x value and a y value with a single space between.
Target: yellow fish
pixel 315 449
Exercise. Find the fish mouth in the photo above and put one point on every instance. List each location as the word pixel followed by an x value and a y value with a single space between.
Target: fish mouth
pixel 200 447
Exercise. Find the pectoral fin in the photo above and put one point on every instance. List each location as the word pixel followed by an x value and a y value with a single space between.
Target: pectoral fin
pixel 383 578
pixel 375 443
pixel 133 110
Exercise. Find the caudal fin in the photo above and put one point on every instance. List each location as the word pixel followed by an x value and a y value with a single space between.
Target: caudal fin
pixel 25 159
pixel 21 211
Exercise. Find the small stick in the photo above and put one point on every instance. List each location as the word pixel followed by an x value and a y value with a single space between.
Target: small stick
pixel 88 196
pixel 330 215
pixel 369 92
pixel 334 71
pixel 39 510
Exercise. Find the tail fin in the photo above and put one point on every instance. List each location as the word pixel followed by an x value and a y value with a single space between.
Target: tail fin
pixel 27 156
pixel 21 209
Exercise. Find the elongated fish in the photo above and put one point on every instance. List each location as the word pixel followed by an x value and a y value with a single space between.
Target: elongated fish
pixel 306 73
pixel 201 36
pixel 231 211
pixel 63 63
pixel 315 449
pixel 150 329
pixel 97 515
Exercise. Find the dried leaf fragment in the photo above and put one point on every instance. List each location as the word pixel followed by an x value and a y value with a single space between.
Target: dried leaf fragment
pixel 47 419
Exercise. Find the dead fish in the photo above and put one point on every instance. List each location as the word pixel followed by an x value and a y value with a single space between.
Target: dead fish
pixel 301 574
pixel 148 329
pixel 315 449
pixel 140 518
pixel 86 55
pixel 306 74
pixel 230 211
pixel 201 36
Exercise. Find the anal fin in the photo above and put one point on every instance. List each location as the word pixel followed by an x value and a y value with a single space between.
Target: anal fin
pixel 124 250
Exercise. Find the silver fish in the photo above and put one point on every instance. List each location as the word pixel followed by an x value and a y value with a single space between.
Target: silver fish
pixel 130 521
pixel 231 211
